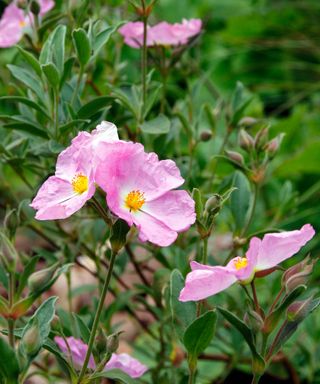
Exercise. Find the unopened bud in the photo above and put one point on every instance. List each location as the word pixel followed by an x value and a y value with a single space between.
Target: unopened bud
pixel 22 4
pixel 261 138
pixel 297 275
pixel 119 235
pixel 298 310
pixel 246 141
pixel 236 157
pixel 38 279
pixel 196 195
pixel 101 342
pixel 35 7
pixel 205 135
pixel 177 355
pixel 253 320
pixel 213 204
pixel 248 121
pixel 273 145
pixel 239 242
pixel 113 342
pixel 55 323
pixel 31 341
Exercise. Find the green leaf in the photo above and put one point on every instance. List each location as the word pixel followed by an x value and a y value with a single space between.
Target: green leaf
pixel 28 270
pixel 25 101
pixel 152 97
pixel 83 330
pixel 9 366
pixel 240 199
pixel 182 313
pixel 102 38
pixel 114 374
pixel 32 81
pixel 65 128
pixel 28 128
pixel 58 47
pixel 273 319
pixel 93 106
pixel 82 45
pixel 34 63
pixel 158 126
pixel 257 360
pixel 51 73
pixel 199 334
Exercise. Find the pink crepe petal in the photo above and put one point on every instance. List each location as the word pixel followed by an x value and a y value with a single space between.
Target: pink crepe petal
pixel 56 199
pixel 78 351
pixel 125 165
pixel 127 364
pixel 175 209
pixel 11 25
pixel 203 282
pixel 133 34
pixel 45 6
pixel 153 230
pixel 277 247
pixel 104 132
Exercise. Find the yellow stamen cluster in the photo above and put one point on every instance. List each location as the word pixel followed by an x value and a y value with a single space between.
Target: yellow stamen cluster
pixel 80 183
pixel 135 200
pixel 240 262
pixel 22 23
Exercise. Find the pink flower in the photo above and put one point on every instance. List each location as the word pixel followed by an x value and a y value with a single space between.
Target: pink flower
pixel 122 361
pixel 161 34
pixel 14 21
pixel 72 185
pixel 204 281
pixel 139 190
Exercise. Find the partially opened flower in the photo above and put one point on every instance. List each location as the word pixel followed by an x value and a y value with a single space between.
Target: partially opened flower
pixel 122 361
pixel 14 22
pixel 139 190
pixel 204 281
pixel 161 34
pixel 72 185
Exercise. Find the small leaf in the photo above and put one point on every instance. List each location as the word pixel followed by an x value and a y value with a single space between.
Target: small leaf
pixel 102 37
pixel 82 45
pixel 32 81
pixel 114 374
pixel 158 126
pixel 51 73
pixel 9 366
pixel 58 46
pixel 93 106
pixel 31 60
pixel 65 128
pixel 199 334
pixel 82 328
pixel 28 128
pixel 25 101
pixel 28 270
pixel 240 199
pixel 182 313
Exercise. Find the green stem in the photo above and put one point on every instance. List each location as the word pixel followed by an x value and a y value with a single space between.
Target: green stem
pixel 56 112
pixel 76 90
pixel 97 316
pixel 11 301
pixel 255 298
pixel 191 377
pixel 253 208
pixel 205 251
pixel 144 55
pixel 255 379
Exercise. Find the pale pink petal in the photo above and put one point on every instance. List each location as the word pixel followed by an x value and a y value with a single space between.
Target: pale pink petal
pixel 11 26
pixel 127 364
pixel 175 209
pixel 163 34
pixel 56 199
pixel 153 230
pixel 133 34
pixel 45 6
pixel 104 132
pixel 78 351
pixel 203 282
pixel 277 247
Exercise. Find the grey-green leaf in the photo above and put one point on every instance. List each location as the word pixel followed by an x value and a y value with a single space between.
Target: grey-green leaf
pixel 157 126
pixel 9 366
pixel 52 74
pixel 82 45
pixel 240 199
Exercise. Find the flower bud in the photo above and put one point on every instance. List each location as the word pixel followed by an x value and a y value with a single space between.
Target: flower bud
pixel 119 235
pixel 22 4
pixel 236 157
pixel 113 342
pixel 205 135
pixel 298 310
pixel 39 279
pixel 196 195
pixel 248 121
pixel 35 7
pixel 253 320
pixel 213 204
pixel 101 342
pixel 273 145
pixel 261 138
pixel 31 341
pixel 246 141
pixel 297 274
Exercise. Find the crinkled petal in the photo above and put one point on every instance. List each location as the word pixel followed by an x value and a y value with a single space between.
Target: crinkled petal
pixel 11 26
pixel 175 209
pixel 45 6
pixel 204 281
pixel 56 199
pixel 78 350
pixel 127 364
pixel 104 132
pixel 277 247
pixel 133 34
pixel 125 166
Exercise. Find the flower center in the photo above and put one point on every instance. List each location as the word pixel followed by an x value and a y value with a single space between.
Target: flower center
pixel 135 200
pixel 80 183
pixel 22 23
pixel 240 262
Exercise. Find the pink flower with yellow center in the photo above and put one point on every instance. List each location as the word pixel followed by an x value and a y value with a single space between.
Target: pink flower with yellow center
pixel 14 21
pixel 163 33
pixel 122 361
pixel 139 190
pixel 204 280
pixel 72 185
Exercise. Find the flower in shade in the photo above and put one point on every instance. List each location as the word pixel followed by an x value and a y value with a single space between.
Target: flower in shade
pixel 73 183
pixel 204 281
pixel 122 361
pixel 14 21
pixel 139 190
pixel 164 34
